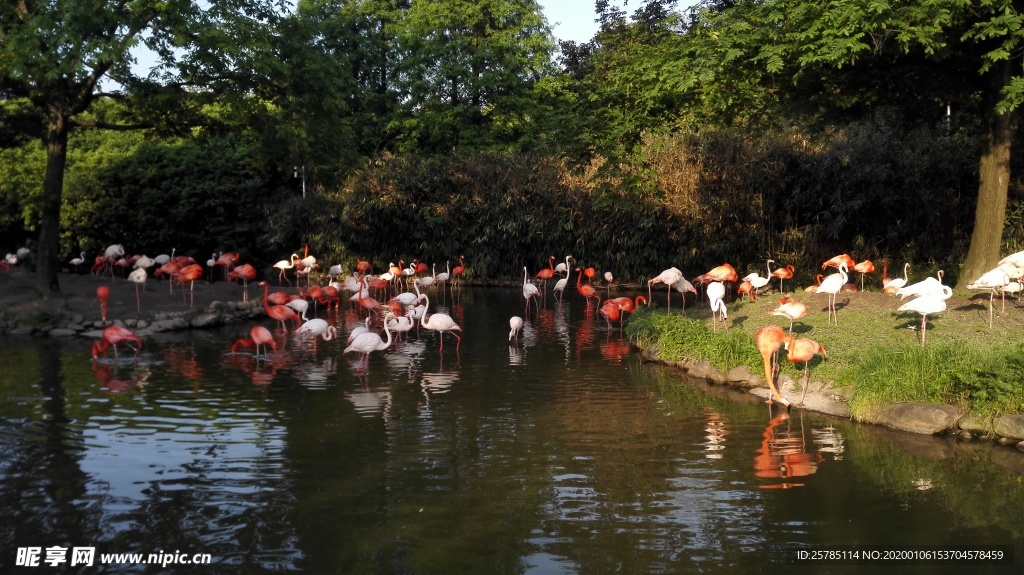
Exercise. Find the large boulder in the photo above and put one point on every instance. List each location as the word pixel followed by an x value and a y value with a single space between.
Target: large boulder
pixel 917 417
pixel 1009 426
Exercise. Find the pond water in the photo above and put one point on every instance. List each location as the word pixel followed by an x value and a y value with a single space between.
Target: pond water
pixel 562 454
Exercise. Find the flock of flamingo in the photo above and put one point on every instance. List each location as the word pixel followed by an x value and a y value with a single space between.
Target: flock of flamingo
pixel 406 310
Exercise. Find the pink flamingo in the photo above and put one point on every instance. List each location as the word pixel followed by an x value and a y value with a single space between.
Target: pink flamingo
pixel 258 336
pixel 112 336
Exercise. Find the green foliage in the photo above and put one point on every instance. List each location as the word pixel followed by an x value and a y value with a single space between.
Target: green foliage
pixel 195 196
pixel 988 378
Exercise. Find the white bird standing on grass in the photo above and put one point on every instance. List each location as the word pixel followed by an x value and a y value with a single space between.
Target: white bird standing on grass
pixel 716 291
pixel 925 305
pixel 831 286
pixel 993 281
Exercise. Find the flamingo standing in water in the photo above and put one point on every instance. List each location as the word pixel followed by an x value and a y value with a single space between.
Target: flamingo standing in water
pixel 627 305
pixel 611 312
pixel 547 273
pixel 560 284
pixel 258 336
pixel 769 340
pixel 587 291
pixel 277 312
pixel 112 336
pixel 317 328
pixel 516 324
pixel 458 270
pixel 359 330
pixel 803 349
pixel 530 291
pixel 439 322
pixel 369 342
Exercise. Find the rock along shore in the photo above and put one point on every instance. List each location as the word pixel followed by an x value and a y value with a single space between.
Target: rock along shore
pixel 920 418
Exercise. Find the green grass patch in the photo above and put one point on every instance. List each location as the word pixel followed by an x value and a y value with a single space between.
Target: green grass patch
pixel 872 354
pixel 680 337
pixel 987 379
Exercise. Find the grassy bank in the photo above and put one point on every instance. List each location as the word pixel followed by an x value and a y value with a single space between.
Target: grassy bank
pixel 875 351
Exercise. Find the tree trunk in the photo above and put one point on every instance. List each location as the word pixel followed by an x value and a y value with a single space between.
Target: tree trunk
pixel 53 187
pixel 993 183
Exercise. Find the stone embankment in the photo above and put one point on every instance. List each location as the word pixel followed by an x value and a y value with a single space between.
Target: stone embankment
pixel 61 322
pixel 913 417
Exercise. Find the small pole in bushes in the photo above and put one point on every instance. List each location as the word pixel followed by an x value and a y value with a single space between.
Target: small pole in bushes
pixel 302 170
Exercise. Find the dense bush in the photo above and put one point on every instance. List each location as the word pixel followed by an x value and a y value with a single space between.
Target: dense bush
pixel 692 201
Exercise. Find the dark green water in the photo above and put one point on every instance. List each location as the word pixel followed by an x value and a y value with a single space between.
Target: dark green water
pixel 565 454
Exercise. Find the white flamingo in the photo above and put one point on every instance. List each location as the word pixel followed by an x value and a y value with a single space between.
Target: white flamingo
pixel 370 342
pixel 560 284
pixel 894 282
pixel 757 282
pixel 925 305
pixel 669 277
pixel 286 265
pixel 300 305
pixel 993 281
pixel 138 277
pixel 317 328
pixel 164 258
pixel 516 323
pixel 831 286
pixel 716 291
pixel 442 277
pixel 78 261
pixel 927 287
pixel 439 322
pixel 359 330
pixel 400 324
pixel 530 291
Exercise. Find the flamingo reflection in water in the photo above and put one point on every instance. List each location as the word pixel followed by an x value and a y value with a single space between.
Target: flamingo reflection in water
pixel 370 403
pixel 105 376
pixel 783 455
pixel 714 425
pixel 615 350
